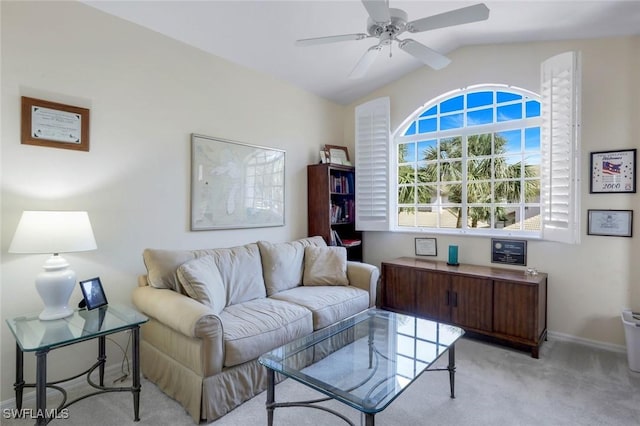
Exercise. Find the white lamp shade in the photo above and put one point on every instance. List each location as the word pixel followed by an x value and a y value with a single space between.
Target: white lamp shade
pixel 53 232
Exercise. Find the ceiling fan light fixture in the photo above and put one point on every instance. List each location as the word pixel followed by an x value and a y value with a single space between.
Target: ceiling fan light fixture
pixel 396 24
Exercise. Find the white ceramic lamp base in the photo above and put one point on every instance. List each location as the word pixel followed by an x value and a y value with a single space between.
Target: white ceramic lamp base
pixel 55 286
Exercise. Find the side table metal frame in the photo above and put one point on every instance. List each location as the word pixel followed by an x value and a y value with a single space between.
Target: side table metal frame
pixel 41 384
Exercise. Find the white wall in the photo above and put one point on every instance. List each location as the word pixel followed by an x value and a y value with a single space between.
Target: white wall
pixel 146 94
pixel 591 282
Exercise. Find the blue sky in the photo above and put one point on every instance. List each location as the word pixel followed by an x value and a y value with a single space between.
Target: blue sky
pixel 485 107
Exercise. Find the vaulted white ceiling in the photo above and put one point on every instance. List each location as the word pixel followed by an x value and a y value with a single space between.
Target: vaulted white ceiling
pixel 260 34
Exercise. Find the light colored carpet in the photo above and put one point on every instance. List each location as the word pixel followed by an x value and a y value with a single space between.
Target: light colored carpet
pixel 569 385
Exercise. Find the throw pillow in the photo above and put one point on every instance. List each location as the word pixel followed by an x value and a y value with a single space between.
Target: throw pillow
pixel 202 281
pixel 161 267
pixel 283 263
pixel 325 266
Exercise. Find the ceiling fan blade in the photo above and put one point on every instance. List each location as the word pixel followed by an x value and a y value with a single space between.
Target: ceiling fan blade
pixel 465 15
pixel 378 10
pixel 330 39
pixel 428 56
pixel 365 62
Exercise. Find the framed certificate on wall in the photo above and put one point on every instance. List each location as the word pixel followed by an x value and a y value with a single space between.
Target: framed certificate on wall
pixel 611 223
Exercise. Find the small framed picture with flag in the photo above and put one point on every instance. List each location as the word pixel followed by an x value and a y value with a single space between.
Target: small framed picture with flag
pixel 613 171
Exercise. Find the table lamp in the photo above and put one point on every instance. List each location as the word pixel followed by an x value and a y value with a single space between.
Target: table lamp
pixel 54 232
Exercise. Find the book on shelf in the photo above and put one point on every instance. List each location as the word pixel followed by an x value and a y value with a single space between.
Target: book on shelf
pixel 342 184
pixel 343 242
pixel 336 238
pixel 342 213
pixel 351 243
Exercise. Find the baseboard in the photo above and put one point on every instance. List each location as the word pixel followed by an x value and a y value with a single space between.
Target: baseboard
pixel 586 342
pixel 29 397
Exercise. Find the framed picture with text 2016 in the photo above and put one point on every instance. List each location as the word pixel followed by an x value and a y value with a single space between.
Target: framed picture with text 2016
pixel 613 171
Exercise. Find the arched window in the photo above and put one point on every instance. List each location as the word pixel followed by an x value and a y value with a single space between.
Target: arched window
pixel 497 159
pixel 469 161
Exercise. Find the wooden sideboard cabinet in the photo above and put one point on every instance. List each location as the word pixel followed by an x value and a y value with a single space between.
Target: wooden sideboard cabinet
pixel 506 305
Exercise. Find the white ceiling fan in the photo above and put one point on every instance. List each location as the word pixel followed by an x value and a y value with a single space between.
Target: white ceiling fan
pixel 386 24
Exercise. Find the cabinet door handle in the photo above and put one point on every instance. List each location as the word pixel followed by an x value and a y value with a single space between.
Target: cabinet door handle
pixel 455 299
pixel 448 298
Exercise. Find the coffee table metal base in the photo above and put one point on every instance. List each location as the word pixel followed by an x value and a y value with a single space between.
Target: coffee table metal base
pixel 369 418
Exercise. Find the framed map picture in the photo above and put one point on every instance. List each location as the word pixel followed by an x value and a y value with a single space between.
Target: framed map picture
pixel 235 185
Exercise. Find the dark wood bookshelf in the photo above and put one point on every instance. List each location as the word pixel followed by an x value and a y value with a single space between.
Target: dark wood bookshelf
pixel 331 206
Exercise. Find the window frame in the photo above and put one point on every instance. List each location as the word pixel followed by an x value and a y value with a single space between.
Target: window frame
pixel 560 92
pixel 464 131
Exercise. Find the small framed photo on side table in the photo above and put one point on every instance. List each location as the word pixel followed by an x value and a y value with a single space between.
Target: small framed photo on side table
pixel 93 293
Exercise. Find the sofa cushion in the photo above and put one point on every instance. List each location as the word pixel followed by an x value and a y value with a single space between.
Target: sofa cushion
pixel 325 266
pixel 283 263
pixel 328 304
pixel 258 326
pixel 240 268
pixel 201 280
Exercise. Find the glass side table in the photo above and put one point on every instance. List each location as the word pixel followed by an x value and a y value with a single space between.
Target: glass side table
pixel 34 335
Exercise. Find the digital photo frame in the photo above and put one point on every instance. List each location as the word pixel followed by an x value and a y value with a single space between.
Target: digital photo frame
pixel 93 293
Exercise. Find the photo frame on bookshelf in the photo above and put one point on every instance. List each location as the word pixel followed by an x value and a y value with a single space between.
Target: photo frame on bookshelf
pixel 338 154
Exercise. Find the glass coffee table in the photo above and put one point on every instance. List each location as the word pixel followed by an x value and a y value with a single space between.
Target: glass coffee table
pixel 365 361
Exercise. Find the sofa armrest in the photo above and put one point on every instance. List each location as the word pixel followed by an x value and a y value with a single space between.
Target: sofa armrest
pixel 178 312
pixel 364 276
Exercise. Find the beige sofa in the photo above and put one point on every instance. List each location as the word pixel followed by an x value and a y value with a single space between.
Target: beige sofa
pixel 212 313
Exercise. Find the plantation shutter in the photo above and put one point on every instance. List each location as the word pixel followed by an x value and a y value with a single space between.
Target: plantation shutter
pixel 372 165
pixel 560 148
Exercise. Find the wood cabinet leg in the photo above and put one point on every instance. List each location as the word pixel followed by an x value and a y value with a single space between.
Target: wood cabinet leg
pixel 535 352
